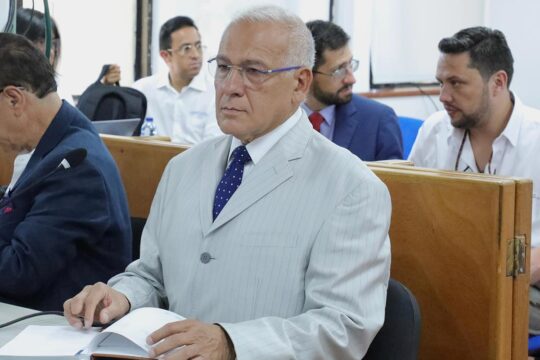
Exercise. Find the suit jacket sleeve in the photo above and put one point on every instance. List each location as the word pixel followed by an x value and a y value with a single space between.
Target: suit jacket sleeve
pixel 390 142
pixel 345 288
pixel 142 282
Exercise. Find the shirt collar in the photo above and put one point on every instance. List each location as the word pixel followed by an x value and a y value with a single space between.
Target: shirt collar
pixel 510 132
pixel 328 113
pixel 163 80
pixel 455 135
pixel 198 83
pixel 260 146
pixel 19 164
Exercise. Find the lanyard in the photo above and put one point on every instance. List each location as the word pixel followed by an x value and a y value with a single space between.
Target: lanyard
pixel 461 150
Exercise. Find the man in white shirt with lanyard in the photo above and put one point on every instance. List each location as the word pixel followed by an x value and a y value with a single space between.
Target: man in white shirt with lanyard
pixel 485 128
pixel 181 101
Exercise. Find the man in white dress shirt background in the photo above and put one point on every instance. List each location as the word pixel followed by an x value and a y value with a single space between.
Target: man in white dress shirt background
pixel 273 238
pixel 484 128
pixel 181 101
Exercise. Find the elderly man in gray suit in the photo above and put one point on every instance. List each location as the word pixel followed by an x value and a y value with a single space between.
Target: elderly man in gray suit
pixel 272 237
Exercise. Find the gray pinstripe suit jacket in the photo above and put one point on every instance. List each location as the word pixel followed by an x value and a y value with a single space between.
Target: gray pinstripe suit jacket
pixel 300 254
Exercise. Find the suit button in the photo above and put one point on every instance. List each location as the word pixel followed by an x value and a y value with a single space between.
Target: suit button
pixel 205 258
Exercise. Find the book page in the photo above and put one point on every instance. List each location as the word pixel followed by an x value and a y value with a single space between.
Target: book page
pixel 55 341
pixel 135 326
pixel 125 337
pixel 114 344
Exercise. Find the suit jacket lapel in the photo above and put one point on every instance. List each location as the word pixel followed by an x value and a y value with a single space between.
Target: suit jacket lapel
pixel 273 170
pixel 345 124
pixel 52 136
pixel 211 175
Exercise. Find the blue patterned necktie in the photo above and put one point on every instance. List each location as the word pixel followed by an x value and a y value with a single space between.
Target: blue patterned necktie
pixel 231 179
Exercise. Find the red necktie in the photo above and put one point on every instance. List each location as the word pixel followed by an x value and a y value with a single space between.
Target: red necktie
pixel 316 120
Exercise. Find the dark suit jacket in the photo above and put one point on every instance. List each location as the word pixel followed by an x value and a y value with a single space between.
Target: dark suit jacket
pixel 62 229
pixel 369 129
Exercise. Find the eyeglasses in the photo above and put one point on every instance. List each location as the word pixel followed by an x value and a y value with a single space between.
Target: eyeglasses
pixel 341 71
pixel 252 76
pixel 187 48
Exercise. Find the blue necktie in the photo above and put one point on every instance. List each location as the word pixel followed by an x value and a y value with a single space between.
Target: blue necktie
pixel 231 179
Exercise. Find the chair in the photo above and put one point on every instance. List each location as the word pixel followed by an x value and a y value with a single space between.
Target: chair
pixel 137 226
pixel 399 336
pixel 409 130
pixel 534 346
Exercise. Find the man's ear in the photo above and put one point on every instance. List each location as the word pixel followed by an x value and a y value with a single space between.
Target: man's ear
pixel 165 55
pixel 499 81
pixel 17 100
pixel 303 78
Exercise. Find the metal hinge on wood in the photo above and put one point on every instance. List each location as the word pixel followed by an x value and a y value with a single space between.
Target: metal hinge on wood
pixel 515 256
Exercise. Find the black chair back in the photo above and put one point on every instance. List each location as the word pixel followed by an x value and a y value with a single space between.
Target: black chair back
pixel 399 337
pixel 137 226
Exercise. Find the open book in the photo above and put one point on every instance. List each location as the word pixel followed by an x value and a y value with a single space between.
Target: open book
pixel 125 339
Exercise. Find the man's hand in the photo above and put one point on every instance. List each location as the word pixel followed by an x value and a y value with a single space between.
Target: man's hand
pixel 192 339
pixel 113 75
pixel 97 302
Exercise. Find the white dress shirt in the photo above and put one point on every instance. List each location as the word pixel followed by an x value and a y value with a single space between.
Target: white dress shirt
pixel 188 116
pixel 19 164
pixel 260 146
pixel 515 151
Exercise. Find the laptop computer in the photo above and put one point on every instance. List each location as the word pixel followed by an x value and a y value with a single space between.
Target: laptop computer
pixel 122 127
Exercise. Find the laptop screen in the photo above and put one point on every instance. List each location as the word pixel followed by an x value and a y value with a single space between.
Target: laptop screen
pixel 122 127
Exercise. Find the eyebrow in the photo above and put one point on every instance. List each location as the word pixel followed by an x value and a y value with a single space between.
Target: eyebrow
pixel 247 62
pixel 342 64
pixel 188 43
pixel 450 78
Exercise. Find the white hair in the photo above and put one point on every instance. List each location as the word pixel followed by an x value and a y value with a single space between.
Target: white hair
pixel 301 49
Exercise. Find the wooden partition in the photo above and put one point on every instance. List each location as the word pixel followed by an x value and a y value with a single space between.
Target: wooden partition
pixel 6 166
pixel 452 236
pixel 453 244
pixel 454 240
pixel 141 163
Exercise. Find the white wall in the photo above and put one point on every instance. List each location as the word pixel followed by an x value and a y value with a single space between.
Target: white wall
pixel 405 38
pixel 354 16
pixel 93 33
pixel 100 31
pixel 211 17
pixel 4 14
pixel 518 20
pixel 419 107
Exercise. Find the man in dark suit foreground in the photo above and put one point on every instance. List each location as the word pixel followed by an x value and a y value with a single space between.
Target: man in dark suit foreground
pixel 369 129
pixel 64 220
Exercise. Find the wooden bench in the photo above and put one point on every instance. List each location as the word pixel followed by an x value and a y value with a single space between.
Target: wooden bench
pixel 141 163
pixel 6 166
pixel 455 240
pixel 452 234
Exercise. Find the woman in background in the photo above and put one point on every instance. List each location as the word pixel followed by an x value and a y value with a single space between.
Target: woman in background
pixel 31 24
